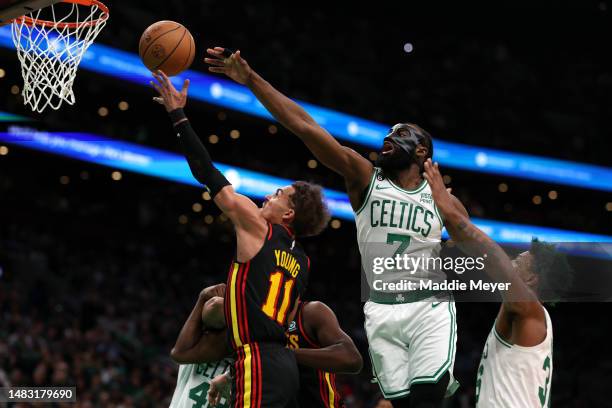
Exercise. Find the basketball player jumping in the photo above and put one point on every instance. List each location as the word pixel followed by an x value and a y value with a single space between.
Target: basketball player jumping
pixel 516 365
pixel 412 338
pixel 270 269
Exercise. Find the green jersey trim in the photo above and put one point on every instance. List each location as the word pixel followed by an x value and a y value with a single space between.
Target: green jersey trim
pixel 416 190
pixel 370 187
pixel 498 337
pixel 439 215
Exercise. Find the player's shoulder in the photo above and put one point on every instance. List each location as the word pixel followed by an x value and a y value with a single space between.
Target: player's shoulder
pixel 316 309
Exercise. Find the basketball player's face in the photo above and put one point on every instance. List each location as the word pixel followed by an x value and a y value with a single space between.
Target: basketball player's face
pixel 398 148
pixel 278 208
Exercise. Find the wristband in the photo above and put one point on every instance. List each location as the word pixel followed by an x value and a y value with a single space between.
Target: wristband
pixel 177 115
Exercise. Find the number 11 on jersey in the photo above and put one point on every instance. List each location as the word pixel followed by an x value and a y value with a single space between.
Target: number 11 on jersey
pixel 270 307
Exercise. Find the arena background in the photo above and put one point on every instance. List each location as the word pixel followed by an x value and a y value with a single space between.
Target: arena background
pixel 99 267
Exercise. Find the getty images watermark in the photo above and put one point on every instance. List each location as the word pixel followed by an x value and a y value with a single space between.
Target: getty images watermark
pixel 410 270
pixel 420 273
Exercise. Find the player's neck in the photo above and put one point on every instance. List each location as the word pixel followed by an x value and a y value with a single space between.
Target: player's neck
pixel 408 178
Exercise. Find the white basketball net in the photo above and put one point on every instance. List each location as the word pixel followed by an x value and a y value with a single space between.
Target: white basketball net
pixel 50 51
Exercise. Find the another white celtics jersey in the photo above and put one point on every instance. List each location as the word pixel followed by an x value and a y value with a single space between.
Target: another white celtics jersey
pixel 511 376
pixel 393 221
pixel 193 382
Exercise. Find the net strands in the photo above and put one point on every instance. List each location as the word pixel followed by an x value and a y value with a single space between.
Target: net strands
pixel 51 49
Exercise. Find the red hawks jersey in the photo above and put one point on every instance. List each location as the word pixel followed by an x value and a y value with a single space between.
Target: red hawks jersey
pixel 317 387
pixel 261 293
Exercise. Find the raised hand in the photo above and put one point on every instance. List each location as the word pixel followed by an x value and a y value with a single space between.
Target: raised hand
pixel 168 95
pixel 441 195
pixel 234 67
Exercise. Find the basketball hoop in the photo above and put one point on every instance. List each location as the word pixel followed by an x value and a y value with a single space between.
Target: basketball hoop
pixel 50 44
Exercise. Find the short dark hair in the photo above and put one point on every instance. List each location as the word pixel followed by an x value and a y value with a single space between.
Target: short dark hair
pixel 311 213
pixel 424 138
pixel 555 274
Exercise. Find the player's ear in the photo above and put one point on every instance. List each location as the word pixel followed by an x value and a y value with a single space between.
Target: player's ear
pixel 533 279
pixel 288 216
pixel 421 151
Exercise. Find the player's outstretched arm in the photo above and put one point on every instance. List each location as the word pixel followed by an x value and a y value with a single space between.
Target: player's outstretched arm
pixel 519 299
pixel 356 170
pixel 243 212
pixel 338 353
pixel 193 344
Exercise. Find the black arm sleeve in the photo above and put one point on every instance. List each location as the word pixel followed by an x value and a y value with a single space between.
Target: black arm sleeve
pixel 198 158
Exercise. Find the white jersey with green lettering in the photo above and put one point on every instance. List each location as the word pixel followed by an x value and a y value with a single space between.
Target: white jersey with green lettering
pixel 393 221
pixel 511 376
pixel 193 382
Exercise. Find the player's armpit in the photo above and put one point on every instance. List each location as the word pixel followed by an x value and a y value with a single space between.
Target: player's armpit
pixel 524 326
pixel 524 309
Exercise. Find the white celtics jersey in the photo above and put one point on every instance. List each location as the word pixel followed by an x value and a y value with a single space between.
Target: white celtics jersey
pixel 393 221
pixel 511 376
pixel 193 382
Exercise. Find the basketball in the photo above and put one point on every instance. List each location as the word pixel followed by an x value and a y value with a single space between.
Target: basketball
pixel 167 46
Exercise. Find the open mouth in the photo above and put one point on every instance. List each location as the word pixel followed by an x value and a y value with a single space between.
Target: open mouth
pixel 387 148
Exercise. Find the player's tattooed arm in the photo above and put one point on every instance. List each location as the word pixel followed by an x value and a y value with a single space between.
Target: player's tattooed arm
pixel 338 353
pixel 194 344
pixel 519 299
pixel 351 165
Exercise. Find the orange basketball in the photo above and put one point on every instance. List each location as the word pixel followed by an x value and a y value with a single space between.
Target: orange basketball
pixel 168 46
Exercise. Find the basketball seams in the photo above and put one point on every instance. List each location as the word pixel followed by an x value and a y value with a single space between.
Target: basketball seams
pixel 174 49
pixel 144 52
pixel 186 63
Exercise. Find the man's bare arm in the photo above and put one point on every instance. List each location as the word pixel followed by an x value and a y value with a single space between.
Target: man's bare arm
pixel 519 299
pixel 338 353
pixel 211 347
pixel 250 225
pixel 193 345
pixel 355 169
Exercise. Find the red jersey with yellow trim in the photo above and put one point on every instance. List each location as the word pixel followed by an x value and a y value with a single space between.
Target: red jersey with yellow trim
pixel 261 293
pixel 317 387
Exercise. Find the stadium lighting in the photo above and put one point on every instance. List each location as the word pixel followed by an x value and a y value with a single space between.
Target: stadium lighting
pixel 171 166
pixel 220 92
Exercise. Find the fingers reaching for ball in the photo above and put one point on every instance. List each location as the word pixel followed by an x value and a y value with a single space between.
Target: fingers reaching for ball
pixel 168 94
pixel 233 65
